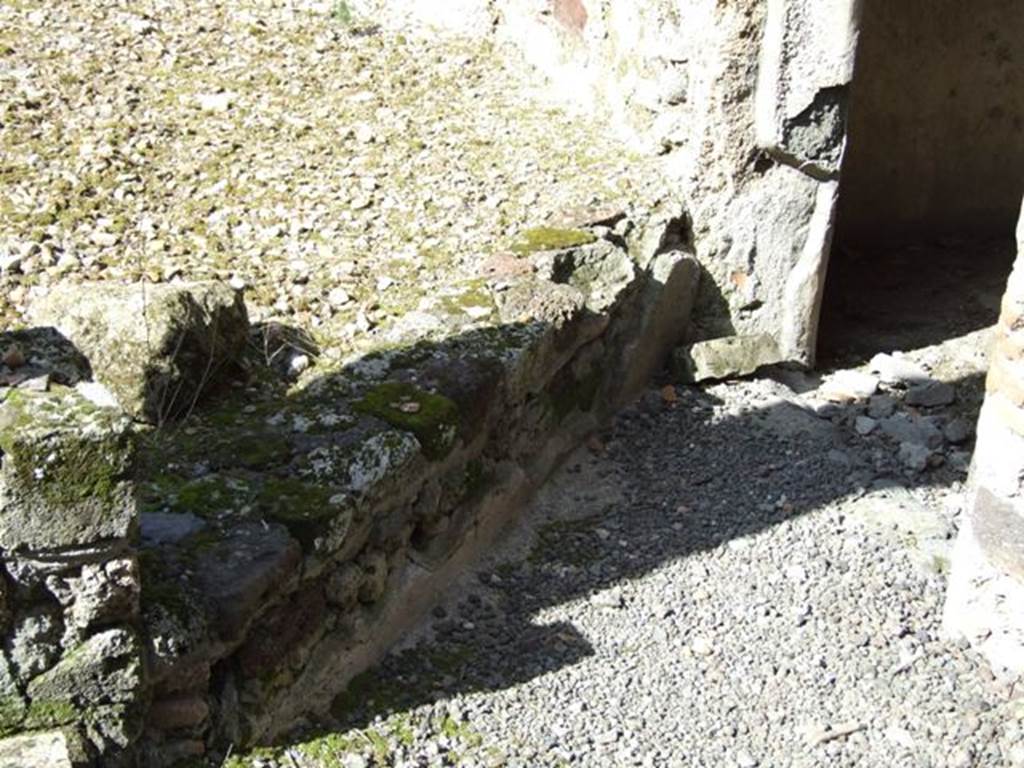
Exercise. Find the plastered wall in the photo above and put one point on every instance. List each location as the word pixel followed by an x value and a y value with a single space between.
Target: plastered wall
pixel 936 127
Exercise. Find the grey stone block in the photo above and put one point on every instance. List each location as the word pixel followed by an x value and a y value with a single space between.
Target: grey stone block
pixel 64 479
pixel 156 348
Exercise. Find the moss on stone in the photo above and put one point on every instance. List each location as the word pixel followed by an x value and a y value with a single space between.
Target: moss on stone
pixel 12 714
pixel 432 418
pixel 474 300
pixel 304 508
pixel 290 500
pixel 206 497
pixel 66 449
pixel 369 686
pixel 48 714
pixel 162 590
pixel 551 239
pixel 250 446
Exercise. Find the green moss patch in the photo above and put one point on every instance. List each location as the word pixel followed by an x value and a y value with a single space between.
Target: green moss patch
pixel 475 300
pixel 205 497
pixel 552 239
pixel 48 714
pixel 432 418
pixel 303 508
pixel 12 714
pixel 67 450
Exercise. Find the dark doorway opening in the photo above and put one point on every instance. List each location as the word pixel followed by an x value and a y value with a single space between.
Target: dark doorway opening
pixel 932 179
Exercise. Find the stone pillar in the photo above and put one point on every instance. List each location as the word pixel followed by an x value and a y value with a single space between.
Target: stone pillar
pixel 806 66
pixel 71 671
pixel 985 604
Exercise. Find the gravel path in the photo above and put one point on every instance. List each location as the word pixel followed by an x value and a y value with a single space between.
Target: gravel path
pixel 732 576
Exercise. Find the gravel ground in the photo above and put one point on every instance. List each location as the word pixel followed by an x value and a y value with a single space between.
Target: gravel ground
pixel 340 172
pixel 729 576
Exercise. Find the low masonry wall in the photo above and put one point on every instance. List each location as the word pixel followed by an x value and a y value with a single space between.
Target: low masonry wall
pixel 171 592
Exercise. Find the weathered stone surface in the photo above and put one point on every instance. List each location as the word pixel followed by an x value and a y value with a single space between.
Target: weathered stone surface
pixel 105 669
pixel 850 385
pixel 896 370
pixel 931 394
pixel 13 704
pixel 274 529
pixel 986 588
pixel 914 456
pixel 65 474
pixel 167 527
pixel 47 749
pixel 664 317
pixel 34 642
pixel 178 712
pixel 5 607
pixel 344 585
pixel 806 64
pixel 601 271
pixel 374 566
pixel 240 572
pixel 724 358
pixel 102 593
pixel 999 530
pixel 983 605
pixel 292 624
pixel 157 348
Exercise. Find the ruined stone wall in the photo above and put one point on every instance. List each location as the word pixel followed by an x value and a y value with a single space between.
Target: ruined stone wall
pixel 206 580
pixel 936 121
pixel 745 101
pixel 985 604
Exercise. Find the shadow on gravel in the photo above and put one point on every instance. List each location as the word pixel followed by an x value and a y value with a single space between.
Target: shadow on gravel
pixel 689 478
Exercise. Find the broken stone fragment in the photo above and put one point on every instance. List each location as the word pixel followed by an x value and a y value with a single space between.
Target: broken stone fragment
pixel 344 585
pixel 157 348
pixel 101 594
pixel 37 353
pixel 905 429
pixel 601 271
pixel 897 371
pixel 914 456
pixel 958 431
pixel 850 385
pixel 551 239
pixel 725 358
pixel 64 478
pixel 375 576
pixel 931 394
pixel 102 676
